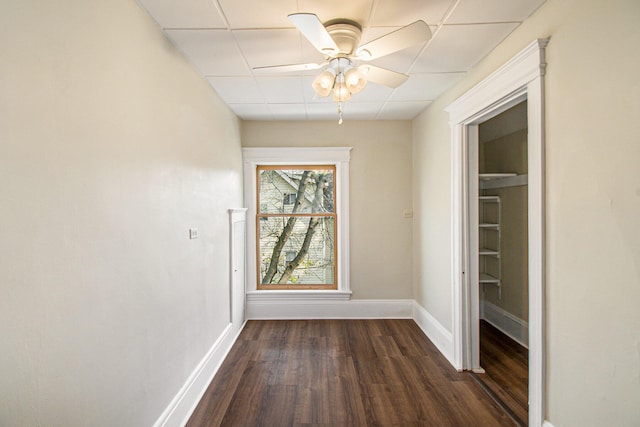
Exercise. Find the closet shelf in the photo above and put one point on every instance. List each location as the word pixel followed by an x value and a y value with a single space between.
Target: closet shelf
pixel 487 278
pixel 502 180
pixel 493 176
pixel 489 226
pixel 489 252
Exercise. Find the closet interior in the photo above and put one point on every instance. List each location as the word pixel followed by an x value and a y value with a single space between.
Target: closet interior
pixel 503 258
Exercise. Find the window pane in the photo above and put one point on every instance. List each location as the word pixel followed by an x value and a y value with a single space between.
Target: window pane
pixel 305 258
pixel 296 191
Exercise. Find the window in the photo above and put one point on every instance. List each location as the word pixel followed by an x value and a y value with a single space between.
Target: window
pixel 297 244
pixel 289 199
pixel 296 240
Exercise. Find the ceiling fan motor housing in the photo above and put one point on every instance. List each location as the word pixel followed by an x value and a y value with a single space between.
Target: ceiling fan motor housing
pixel 345 33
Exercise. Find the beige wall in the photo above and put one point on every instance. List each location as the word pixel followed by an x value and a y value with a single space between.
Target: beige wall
pixel 111 148
pixel 593 206
pixel 380 190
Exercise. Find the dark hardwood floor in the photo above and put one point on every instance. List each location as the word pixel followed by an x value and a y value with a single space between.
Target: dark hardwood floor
pixel 507 371
pixel 341 373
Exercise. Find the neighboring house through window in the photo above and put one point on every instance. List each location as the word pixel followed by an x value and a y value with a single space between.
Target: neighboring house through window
pixel 289 198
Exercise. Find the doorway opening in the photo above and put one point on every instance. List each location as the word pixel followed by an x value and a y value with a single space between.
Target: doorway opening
pixel 501 265
pixel 518 80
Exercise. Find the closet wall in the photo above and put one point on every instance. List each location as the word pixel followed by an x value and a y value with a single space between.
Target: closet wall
pixel 503 149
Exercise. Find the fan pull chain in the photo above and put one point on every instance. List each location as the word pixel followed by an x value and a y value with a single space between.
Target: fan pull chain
pixel 339 113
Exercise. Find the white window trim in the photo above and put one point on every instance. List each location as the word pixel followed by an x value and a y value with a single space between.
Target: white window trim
pixel 336 156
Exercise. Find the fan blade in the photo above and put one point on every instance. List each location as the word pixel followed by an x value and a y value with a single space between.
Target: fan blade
pixel 287 68
pixel 311 27
pixel 383 76
pixel 402 38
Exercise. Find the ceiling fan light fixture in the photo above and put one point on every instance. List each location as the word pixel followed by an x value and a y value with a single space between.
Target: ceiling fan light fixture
pixel 323 83
pixel 341 92
pixel 354 80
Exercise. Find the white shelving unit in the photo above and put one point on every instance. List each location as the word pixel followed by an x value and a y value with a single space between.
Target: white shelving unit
pixel 489 238
pixel 489 226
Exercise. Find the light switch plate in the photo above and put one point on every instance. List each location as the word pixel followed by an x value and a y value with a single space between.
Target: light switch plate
pixel 193 233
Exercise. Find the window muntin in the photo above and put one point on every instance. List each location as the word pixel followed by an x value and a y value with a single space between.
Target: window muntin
pixel 296 227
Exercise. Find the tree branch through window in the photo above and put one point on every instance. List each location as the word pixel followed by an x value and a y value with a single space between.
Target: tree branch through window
pixel 296 241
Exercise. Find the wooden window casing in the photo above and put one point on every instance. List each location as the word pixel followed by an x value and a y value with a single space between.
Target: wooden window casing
pixel 328 223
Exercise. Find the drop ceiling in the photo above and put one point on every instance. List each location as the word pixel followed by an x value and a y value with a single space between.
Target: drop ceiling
pixel 225 39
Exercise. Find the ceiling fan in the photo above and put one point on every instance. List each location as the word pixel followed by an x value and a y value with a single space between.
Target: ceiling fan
pixel 339 41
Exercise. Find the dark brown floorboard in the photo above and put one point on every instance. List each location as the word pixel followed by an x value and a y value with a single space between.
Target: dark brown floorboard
pixel 341 373
pixel 507 370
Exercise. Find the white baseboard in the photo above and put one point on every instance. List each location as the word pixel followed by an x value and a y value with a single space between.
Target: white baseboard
pixel 512 326
pixel 547 424
pixel 310 308
pixel 185 402
pixel 438 334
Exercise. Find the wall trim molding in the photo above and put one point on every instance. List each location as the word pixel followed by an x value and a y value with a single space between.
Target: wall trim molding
pixel 437 334
pixel 181 407
pixel 276 308
pixel 547 424
pixel 525 66
pixel 507 323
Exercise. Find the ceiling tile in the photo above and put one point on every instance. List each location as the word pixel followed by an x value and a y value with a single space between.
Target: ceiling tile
pixel 373 33
pixel 184 13
pixel 327 10
pixel 258 14
pixel 213 52
pixel 281 89
pixel 236 90
pixel 252 111
pixel 373 92
pixel 360 110
pixel 403 12
pixel 274 47
pixel 460 47
pixel 289 111
pixel 322 111
pixel 425 86
pixel 474 11
pixel 406 110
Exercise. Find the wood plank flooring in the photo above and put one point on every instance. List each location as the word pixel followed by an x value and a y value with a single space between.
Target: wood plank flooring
pixel 507 370
pixel 341 373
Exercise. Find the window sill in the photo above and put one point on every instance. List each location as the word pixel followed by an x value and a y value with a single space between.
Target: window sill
pixel 298 295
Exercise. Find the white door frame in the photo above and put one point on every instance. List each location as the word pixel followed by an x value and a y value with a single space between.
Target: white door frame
pixel 520 78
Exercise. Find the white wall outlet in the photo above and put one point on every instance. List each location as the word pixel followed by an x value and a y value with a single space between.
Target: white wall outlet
pixel 407 213
pixel 193 233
